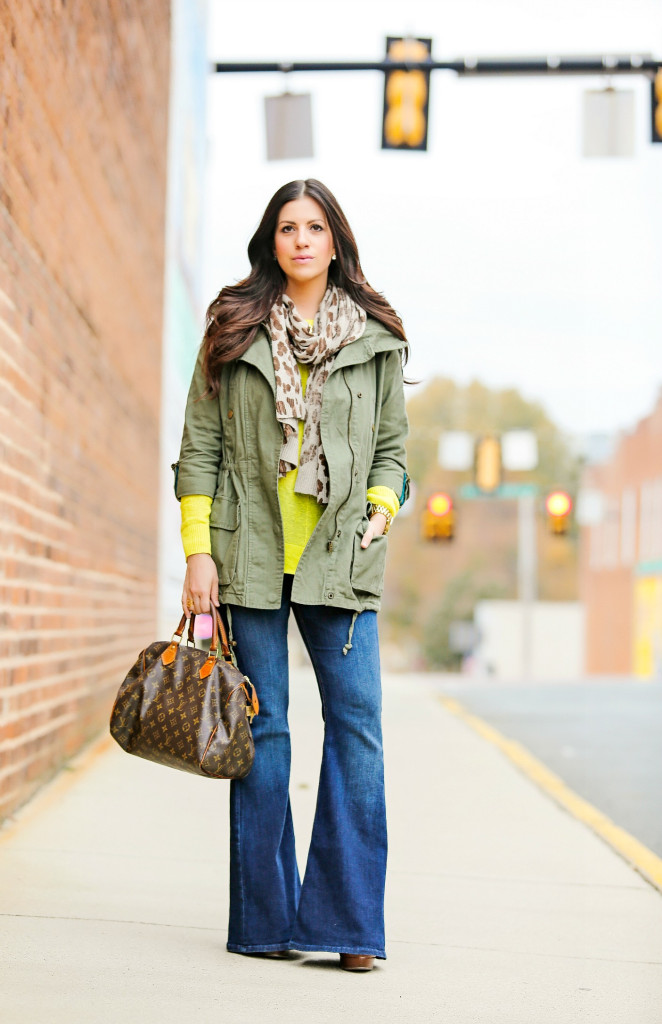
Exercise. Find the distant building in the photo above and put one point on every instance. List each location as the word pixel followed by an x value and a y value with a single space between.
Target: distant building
pixel 621 562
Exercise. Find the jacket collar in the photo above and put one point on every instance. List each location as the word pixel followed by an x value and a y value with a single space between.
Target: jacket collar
pixel 375 338
pixel 259 355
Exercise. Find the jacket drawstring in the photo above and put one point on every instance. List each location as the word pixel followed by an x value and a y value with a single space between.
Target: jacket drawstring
pixel 231 643
pixel 348 645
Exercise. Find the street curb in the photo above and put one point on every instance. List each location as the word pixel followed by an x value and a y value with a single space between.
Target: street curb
pixel 638 856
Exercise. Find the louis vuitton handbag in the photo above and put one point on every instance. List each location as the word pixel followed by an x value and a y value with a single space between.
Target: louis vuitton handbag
pixel 186 708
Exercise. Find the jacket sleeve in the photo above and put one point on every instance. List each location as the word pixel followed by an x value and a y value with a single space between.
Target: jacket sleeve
pixel 196 472
pixel 389 463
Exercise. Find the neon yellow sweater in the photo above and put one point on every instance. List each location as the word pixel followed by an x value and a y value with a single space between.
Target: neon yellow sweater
pixel 300 512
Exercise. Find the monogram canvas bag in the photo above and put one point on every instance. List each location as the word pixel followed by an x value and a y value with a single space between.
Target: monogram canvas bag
pixel 186 708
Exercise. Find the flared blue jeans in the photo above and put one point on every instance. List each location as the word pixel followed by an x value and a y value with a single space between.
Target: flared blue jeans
pixel 339 907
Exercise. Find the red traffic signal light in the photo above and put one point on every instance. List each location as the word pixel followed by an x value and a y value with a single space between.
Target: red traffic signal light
pixel 558 505
pixel 438 521
pixel 440 504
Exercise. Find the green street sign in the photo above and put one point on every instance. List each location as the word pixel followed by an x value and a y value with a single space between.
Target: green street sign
pixel 469 492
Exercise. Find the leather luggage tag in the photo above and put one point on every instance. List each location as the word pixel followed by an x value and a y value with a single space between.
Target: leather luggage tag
pixel 251 698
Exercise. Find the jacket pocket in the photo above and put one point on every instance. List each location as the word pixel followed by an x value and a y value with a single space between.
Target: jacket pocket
pixel 224 529
pixel 368 564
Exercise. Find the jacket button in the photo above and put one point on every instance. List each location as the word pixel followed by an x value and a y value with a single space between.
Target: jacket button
pixel 359 394
pixel 230 413
pixel 330 596
pixel 338 533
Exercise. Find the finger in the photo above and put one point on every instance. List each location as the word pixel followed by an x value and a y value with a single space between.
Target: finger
pixel 367 537
pixel 214 593
pixel 200 602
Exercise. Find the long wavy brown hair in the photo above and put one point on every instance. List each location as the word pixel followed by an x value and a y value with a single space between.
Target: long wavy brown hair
pixel 237 312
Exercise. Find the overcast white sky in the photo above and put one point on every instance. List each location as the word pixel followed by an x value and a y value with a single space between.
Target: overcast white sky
pixel 510 257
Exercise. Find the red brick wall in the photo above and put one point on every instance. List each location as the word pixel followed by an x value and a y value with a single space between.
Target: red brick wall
pixel 83 123
pixel 613 551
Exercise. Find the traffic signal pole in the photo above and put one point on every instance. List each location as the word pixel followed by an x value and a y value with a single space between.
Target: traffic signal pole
pixel 527 575
pixel 407 83
pixel 632 64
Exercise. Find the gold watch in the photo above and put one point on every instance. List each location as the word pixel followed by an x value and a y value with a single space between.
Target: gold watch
pixel 372 508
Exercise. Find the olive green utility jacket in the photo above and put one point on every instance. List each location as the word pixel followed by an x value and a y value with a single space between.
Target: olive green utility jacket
pixel 230 451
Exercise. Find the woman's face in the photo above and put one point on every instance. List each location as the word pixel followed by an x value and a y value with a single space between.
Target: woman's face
pixel 303 244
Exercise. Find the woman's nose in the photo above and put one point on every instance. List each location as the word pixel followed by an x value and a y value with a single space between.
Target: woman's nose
pixel 301 238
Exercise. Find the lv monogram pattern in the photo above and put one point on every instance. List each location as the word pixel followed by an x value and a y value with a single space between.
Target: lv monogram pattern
pixel 168 714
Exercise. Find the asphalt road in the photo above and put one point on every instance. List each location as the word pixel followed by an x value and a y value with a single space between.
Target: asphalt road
pixel 603 738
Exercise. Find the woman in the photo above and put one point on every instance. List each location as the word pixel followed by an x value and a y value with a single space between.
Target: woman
pixel 291 469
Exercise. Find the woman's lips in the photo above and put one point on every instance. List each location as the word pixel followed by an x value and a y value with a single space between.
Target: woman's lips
pixel 302 259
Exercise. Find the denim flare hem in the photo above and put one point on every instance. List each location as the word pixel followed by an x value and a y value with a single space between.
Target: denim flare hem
pixel 260 947
pixel 354 950
pixel 234 947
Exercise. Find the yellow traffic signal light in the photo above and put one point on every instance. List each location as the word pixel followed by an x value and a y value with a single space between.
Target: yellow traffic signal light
pixel 558 505
pixel 406 95
pixel 487 466
pixel 438 520
pixel 656 107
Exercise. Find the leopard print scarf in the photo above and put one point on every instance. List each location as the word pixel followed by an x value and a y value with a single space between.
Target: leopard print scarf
pixel 339 322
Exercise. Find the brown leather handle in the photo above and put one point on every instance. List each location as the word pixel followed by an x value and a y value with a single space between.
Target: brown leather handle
pixel 217 627
pixel 225 645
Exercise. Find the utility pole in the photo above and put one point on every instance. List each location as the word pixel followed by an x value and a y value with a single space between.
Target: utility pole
pixel 527 575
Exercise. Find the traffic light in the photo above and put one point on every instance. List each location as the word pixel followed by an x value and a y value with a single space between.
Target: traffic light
pixel 656 107
pixel 406 96
pixel 487 464
pixel 558 505
pixel 438 520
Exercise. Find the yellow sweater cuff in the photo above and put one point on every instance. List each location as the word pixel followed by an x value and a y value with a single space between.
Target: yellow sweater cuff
pixel 384 496
pixel 196 538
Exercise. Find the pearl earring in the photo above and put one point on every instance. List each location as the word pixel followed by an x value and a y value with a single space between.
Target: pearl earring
pixel 334 256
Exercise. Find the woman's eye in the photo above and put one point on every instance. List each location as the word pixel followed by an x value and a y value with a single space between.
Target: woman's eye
pixel 318 227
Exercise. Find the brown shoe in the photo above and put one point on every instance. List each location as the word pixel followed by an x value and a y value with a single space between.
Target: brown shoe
pixel 356 962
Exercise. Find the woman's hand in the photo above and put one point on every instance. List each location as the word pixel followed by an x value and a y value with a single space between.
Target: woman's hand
pixel 376 527
pixel 200 585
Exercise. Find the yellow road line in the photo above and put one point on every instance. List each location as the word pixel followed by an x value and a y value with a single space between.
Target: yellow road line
pixel 643 860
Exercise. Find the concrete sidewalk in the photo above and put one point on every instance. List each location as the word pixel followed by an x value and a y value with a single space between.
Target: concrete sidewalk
pixel 500 906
